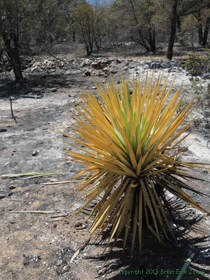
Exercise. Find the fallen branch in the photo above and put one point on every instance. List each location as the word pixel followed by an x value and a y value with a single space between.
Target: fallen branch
pixel 32 96
pixel 37 212
pixel 33 175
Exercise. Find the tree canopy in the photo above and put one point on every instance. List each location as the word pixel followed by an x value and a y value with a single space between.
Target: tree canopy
pixel 149 23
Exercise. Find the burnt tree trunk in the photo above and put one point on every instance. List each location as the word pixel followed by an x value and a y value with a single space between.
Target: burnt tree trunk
pixel 172 30
pixel 152 39
pixel 200 29
pixel 141 39
pixel 12 49
pixel 203 35
pixel 200 34
pixel 181 41
pixel 89 48
pixel 74 36
pixel 206 32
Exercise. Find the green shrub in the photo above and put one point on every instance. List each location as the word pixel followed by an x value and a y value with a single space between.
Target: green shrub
pixel 198 63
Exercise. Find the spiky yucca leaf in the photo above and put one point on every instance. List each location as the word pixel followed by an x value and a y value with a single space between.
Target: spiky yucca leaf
pixel 127 143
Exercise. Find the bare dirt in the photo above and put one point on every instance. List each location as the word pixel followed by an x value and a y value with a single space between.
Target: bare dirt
pixel 39 245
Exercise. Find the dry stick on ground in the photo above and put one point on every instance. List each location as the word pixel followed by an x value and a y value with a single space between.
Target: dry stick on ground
pixel 56 183
pixel 32 175
pixel 11 98
pixel 37 212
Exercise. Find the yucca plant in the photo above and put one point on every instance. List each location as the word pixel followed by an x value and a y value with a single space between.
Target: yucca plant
pixel 128 146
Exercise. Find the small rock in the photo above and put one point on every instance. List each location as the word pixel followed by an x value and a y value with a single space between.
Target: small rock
pixel 132 65
pixel 96 65
pixel 62 269
pixel 35 153
pixel 80 225
pixel 206 76
pixel 53 89
pixel 207 125
pixel 30 129
pixel 113 70
pixel 61 64
pixel 83 64
pixel 12 187
pixel 53 180
pixel 113 63
pixel 3 129
pixel 12 220
pixel 137 67
pixel 99 73
pixel 177 63
pixel 86 73
pixel 153 65
pixel 166 64
pixel 145 66
pixel 26 260
pixel 87 61
pixel 207 114
pixel 2 196
pixel 157 64
pixel 124 68
pixel 145 62
pixel 106 69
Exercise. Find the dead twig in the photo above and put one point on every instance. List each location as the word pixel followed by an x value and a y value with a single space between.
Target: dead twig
pixel 52 183
pixel 40 188
pixel 37 212
pixel 55 183
pixel 28 175
pixel 60 216
pixel 10 99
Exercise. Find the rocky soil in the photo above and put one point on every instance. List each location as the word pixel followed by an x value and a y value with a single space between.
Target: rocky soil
pixel 37 237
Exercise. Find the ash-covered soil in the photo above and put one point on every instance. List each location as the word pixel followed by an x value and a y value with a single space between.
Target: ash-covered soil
pixel 37 238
